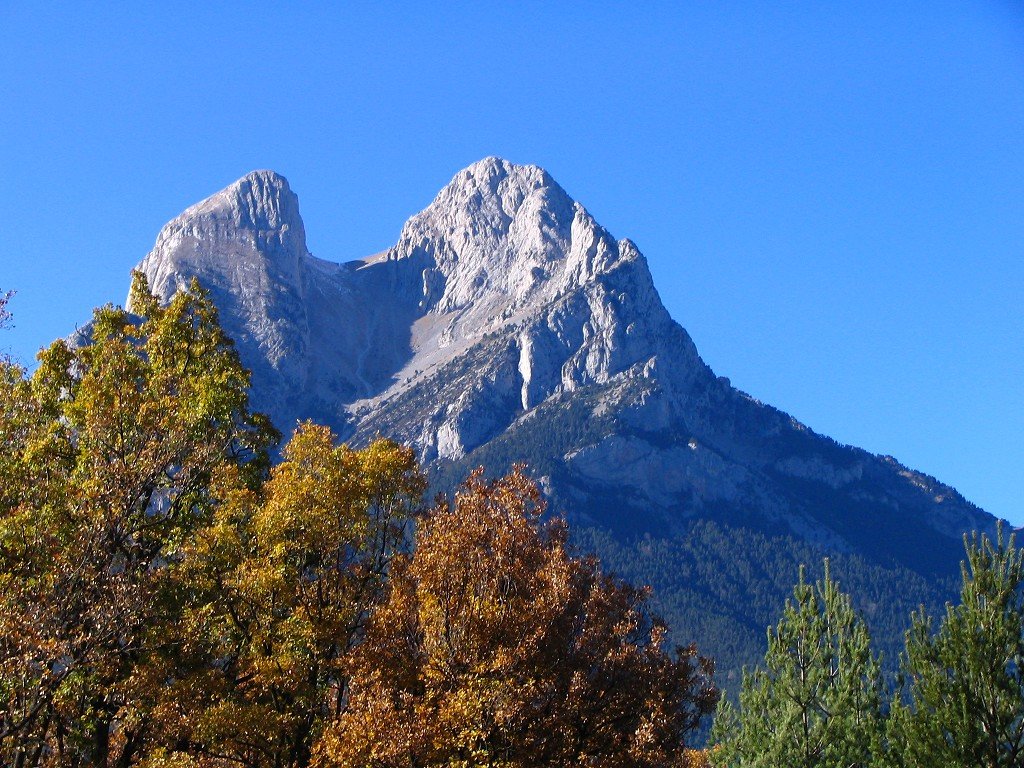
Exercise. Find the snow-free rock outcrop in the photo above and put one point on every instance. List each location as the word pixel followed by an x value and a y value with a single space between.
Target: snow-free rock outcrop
pixel 506 324
pixel 314 336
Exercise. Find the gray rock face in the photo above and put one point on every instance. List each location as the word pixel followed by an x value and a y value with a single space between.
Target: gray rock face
pixel 507 324
pixel 316 335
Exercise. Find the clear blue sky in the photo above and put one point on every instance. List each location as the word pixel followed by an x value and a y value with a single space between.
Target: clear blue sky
pixel 830 195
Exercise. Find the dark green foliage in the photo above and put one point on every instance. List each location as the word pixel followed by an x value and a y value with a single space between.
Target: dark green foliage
pixel 542 439
pixel 817 699
pixel 720 586
pixel 966 681
pixel 875 521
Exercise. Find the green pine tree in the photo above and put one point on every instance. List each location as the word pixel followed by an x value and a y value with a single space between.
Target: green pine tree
pixel 966 681
pixel 817 701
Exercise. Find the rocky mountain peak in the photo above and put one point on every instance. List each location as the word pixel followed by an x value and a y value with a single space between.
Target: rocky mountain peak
pixel 252 224
pixel 262 200
pixel 261 203
pixel 247 246
pixel 498 189
pixel 506 233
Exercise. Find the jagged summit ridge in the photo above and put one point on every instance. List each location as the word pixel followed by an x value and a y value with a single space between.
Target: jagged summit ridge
pixel 508 232
pixel 502 249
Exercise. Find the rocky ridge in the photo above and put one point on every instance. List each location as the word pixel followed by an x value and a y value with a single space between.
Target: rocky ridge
pixel 506 324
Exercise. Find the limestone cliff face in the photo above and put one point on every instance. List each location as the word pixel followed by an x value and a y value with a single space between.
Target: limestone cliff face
pixel 248 246
pixel 507 324
pixel 507 262
pixel 315 335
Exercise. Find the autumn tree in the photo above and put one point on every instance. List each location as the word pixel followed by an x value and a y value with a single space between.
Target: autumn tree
pixel 696 758
pixel 5 320
pixel 496 647
pixel 966 680
pixel 280 585
pixel 109 450
pixel 817 700
pixel 5 314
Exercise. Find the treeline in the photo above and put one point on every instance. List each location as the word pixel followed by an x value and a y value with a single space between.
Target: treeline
pixel 698 574
pixel 170 596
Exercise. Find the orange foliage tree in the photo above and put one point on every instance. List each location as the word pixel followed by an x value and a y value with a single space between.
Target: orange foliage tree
pixel 497 647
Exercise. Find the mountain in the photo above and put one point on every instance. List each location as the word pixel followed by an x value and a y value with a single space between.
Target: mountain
pixel 507 325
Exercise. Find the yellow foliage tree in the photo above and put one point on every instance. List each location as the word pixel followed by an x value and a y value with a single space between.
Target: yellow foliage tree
pixel 281 584
pixel 696 758
pixel 109 448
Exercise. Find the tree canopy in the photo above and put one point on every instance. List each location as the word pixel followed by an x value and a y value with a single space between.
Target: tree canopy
pixel 497 647
pixel 277 589
pixel 966 679
pixel 109 449
pixel 171 596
